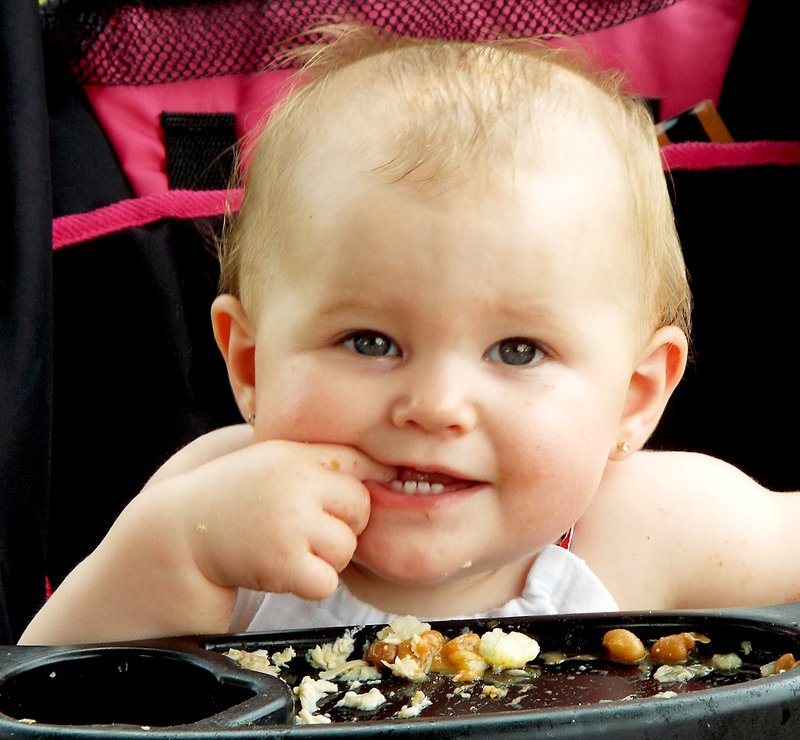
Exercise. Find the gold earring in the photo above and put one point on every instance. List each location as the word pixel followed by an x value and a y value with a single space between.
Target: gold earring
pixel 251 419
pixel 623 447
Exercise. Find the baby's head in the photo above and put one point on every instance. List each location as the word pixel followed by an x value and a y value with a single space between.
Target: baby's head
pixel 431 116
pixel 460 260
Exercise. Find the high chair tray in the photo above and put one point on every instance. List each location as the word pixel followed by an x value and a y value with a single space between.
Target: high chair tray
pixel 185 687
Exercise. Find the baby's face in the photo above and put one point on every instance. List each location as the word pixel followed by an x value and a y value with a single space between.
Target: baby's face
pixel 480 342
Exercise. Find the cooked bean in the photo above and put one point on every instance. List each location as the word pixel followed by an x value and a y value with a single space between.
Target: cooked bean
pixel 380 653
pixel 673 648
pixel 622 646
pixel 460 658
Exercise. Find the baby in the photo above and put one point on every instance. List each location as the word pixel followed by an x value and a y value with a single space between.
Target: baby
pixel 454 307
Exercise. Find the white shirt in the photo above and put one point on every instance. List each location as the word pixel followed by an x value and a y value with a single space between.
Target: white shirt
pixel 557 583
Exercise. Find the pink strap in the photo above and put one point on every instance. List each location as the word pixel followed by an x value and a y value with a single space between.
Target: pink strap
pixel 82 227
pixel 697 155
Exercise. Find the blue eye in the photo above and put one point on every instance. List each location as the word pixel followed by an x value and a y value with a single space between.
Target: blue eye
pixel 372 344
pixel 515 351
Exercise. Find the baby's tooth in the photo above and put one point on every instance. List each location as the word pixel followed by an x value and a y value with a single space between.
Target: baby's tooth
pixel 411 487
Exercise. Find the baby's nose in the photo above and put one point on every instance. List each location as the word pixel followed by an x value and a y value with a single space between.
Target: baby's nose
pixel 437 406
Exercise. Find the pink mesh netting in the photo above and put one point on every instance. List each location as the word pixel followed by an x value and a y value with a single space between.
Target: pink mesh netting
pixel 116 42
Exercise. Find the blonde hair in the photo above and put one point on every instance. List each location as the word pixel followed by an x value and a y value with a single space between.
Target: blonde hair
pixel 436 111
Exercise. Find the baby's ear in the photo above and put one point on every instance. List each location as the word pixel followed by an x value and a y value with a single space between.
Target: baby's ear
pixel 656 375
pixel 236 340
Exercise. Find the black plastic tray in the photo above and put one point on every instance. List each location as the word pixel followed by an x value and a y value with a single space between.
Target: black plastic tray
pixel 184 687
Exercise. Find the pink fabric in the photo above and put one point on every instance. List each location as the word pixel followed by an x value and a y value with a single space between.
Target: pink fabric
pixel 700 155
pixel 81 227
pixel 125 214
pixel 130 116
pixel 679 55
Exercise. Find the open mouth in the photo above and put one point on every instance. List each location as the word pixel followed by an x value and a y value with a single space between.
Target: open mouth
pixel 418 482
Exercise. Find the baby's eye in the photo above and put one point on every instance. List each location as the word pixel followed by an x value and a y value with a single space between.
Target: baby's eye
pixel 372 344
pixel 515 351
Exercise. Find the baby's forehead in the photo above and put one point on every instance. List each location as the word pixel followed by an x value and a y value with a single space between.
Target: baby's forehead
pixel 395 116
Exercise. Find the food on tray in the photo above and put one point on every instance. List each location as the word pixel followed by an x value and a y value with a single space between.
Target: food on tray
pixel 785 663
pixel 257 660
pixel 332 655
pixel 367 702
pixel 622 646
pixel 418 702
pixel 309 692
pixel 407 669
pixel 411 649
pixel 673 648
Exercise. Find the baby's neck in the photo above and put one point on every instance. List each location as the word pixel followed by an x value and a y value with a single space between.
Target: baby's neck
pixel 467 594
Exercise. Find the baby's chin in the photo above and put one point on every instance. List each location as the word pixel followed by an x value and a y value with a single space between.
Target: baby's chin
pixel 408 566
pixel 391 570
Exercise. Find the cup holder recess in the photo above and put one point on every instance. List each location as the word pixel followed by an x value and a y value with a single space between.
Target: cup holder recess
pixel 139 686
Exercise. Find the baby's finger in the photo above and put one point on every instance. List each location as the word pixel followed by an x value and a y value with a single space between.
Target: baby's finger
pixel 315 578
pixel 334 542
pixel 353 462
pixel 348 501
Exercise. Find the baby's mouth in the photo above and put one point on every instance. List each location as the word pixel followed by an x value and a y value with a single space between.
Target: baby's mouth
pixel 417 482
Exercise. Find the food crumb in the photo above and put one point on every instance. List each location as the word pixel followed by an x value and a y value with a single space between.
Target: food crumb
pixel 679 673
pixel 257 660
pixel 665 695
pixel 726 661
pixel 418 702
pixel 309 692
pixel 493 692
pixel 368 702
pixel 331 654
pixel 352 670
pixel 283 657
pixel 304 717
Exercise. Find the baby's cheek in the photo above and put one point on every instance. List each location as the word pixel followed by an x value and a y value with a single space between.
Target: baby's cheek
pixel 547 494
pixel 301 410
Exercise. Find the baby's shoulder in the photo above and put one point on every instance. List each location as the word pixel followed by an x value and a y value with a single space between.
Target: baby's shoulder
pixel 674 496
pixel 671 529
pixel 674 476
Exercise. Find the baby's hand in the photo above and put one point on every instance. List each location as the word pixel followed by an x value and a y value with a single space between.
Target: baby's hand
pixel 222 513
pixel 278 516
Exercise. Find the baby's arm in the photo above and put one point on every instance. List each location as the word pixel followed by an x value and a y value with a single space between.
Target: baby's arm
pixel 682 530
pixel 222 513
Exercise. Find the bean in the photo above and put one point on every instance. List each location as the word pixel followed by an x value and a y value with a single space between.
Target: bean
pixel 672 648
pixel 622 646
pixel 379 653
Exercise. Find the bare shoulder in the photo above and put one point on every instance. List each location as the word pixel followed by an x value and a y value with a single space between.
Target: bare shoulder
pixel 683 530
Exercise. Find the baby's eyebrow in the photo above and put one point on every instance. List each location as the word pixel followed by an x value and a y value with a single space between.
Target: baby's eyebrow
pixel 350 305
